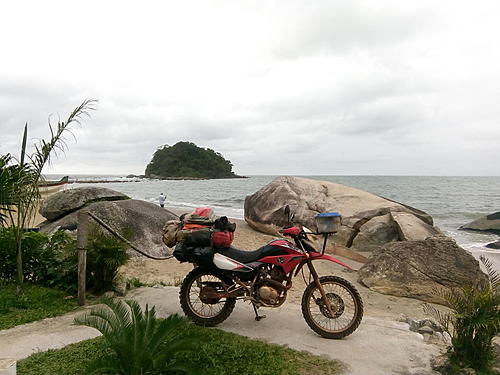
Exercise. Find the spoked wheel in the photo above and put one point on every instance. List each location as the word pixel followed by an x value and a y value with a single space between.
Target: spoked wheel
pixel 346 304
pixel 198 297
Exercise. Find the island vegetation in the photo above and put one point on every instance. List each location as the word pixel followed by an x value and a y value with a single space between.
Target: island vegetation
pixel 186 160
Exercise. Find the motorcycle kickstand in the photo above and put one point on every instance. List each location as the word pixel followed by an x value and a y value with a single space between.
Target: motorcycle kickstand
pixel 257 316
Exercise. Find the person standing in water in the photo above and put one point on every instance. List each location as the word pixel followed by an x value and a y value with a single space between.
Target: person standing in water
pixel 162 199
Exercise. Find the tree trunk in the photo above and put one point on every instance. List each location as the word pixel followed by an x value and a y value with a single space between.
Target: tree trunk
pixel 19 262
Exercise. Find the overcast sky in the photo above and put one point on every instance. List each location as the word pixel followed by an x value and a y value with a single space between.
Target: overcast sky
pixel 277 87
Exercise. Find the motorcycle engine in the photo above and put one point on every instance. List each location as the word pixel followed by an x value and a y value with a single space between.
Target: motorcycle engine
pixel 277 274
pixel 269 294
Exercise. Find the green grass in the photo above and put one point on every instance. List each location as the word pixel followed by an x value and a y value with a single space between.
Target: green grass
pixel 221 354
pixel 36 303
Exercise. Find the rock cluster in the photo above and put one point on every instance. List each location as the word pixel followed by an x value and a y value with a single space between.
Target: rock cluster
pixel 368 220
pixel 417 268
pixel 430 329
pixel 494 245
pixel 116 209
pixel 489 223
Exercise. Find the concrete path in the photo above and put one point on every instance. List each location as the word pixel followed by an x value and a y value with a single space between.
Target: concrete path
pixel 379 346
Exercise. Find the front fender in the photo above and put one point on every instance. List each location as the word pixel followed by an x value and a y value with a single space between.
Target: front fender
pixel 319 256
pixel 330 258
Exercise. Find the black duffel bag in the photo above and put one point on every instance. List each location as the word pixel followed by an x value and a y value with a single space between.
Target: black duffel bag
pixel 182 252
pixel 196 237
pixel 202 256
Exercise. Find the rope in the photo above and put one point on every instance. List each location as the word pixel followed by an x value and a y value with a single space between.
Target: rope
pixel 113 232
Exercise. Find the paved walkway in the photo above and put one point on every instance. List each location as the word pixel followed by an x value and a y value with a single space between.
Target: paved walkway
pixel 379 346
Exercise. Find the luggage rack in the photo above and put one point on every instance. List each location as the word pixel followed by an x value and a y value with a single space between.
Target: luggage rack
pixel 327 223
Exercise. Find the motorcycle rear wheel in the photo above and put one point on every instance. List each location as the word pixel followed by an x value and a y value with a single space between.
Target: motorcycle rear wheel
pixel 346 304
pixel 202 310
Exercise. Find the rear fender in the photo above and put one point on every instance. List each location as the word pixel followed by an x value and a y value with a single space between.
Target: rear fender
pixel 319 256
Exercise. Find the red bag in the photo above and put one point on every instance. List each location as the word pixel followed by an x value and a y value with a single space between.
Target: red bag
pixel 204 211
pixel 222 239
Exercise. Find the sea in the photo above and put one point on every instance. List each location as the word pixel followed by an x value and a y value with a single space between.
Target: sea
pixel 451 201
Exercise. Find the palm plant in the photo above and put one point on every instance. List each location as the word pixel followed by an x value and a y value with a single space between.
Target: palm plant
pixel 19 179
pixel 7 185
pixel 473 321
pixel 140 343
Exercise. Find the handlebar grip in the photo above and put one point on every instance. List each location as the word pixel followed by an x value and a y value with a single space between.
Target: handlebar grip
pixel 292 231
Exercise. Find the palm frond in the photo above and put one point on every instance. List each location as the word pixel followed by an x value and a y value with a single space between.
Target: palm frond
pixel 107 319
pixel 23 146
pixel 44 149
pixel 493 276
pixel 445 319
pixel 93 321
pixel 473 321
pixel 141 343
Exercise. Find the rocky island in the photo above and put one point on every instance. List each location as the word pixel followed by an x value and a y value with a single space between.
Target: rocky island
pixel 185 160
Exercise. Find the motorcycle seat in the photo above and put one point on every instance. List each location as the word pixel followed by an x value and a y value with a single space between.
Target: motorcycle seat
pixel 244 256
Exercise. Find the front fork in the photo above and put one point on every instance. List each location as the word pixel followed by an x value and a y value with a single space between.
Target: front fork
pixel 315 276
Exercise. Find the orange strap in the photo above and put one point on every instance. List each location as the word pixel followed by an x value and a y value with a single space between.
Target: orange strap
pixel 194 226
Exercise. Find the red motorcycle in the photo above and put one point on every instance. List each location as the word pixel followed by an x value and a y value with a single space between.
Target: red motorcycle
pixel 331 306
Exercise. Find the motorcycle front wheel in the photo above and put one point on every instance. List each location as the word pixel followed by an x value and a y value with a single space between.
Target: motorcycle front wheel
pixel 197 300
pixel 346 304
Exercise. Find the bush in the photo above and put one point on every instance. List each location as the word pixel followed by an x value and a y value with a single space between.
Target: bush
pixel 48 260
pixel 473 322
pixel 105 254
pixel 140 343
pixel 52 260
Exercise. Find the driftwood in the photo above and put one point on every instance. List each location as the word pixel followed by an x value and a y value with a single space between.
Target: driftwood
pixel 346 253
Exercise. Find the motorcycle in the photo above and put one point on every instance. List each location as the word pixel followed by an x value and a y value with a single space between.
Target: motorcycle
pixel 331 306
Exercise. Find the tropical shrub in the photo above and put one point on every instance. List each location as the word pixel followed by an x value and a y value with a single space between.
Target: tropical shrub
pixel 19 180
pixel 52 260
pixel 473 322
pixel 105 254
pixel 49 260
pixel 7 187
pixel 140 343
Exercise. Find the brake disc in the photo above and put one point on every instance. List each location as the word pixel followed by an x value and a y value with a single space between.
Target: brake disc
pixel 336 302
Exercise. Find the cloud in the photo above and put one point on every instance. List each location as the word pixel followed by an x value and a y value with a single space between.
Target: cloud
pixel 290 87
pixel 334 28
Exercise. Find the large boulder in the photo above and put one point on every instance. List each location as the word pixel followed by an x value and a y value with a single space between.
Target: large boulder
pixel 367 219
pixel 494 245
pixel 411 228
pixel 416 269
pixel 376 232
pixel 145 219
pixel 67 201
pixel 488 223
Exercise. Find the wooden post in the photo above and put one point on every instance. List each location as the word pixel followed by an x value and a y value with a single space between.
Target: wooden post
pixel 82 234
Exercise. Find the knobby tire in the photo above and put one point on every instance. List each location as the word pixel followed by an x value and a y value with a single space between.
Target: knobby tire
pixel 358 304
pixel 184 294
